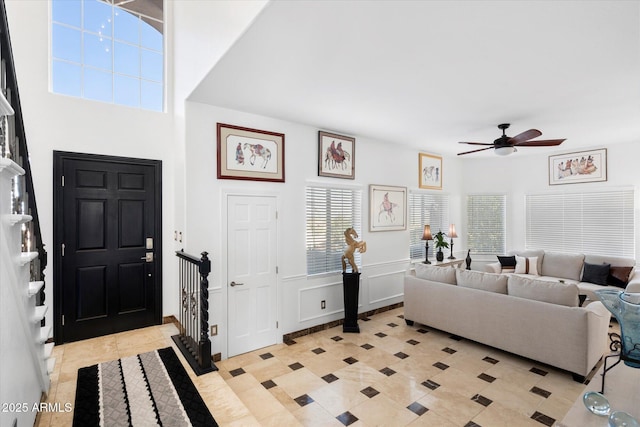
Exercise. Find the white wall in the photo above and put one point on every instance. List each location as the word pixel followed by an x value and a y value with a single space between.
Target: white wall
pixel 377 162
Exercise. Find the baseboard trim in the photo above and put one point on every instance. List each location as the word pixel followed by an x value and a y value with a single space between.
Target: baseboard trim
pixel 290 337
pixel 172 319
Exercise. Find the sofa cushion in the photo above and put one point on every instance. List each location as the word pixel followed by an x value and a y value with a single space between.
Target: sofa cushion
pixel 527 265
pixel 619 276
pixel 530 254
pixel 490 282
pixel 596 273
pixel 565 266
pixel 436 274
pixel 542 290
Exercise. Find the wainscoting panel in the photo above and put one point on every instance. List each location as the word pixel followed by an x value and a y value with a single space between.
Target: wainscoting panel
pixel 386 288
pixel 310 301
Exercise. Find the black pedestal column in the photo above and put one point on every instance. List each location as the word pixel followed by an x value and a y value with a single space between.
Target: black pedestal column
pixel 351 287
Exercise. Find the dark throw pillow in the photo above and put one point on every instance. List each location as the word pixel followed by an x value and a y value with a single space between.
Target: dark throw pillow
pixel 596 273
pixel 619 276
pixel 507 261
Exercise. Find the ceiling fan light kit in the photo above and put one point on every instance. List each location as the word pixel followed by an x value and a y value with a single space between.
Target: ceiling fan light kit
pixel 506 145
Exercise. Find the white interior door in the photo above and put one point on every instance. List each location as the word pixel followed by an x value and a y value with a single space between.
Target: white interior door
pixel 251 273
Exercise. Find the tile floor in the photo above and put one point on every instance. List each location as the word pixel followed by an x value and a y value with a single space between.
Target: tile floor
pixel 389 374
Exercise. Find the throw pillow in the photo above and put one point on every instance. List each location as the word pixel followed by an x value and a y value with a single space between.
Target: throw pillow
pixel 596 273
pixel 436 274
pixel 508 263
pixel 526 265
pixel 619 276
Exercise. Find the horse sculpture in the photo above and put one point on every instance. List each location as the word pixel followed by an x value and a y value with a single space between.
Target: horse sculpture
pixel 258 150
pixel 350 237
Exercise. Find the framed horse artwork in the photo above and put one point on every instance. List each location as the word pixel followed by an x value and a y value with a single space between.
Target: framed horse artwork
pixel 387 208
pixel 336 155
pixel 429 171
pixel 250 154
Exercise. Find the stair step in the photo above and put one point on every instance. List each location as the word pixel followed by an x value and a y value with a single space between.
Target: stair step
pixel 51 363
pixel 39 313
pixel 45 331
pixel 48 349
pixel 14 219
pixel 34 287
pixel 26 257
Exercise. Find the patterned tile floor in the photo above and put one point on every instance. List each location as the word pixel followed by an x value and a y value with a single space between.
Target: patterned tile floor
pixel 389 374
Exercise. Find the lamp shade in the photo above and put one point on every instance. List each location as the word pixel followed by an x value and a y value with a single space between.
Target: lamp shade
pixel 427 233
pixel 452 231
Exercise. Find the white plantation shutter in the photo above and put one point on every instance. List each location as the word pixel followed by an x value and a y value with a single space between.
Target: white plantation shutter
pixel 330 211
pixel 486 223
pixel 598 222
pixel 426 209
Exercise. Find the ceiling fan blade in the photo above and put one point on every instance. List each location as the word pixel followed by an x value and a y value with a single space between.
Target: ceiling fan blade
pixel 525 136
pixel 474 151
pixel 476 143
pixel 541 143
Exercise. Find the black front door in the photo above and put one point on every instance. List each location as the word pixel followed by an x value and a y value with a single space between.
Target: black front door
pixel 108 236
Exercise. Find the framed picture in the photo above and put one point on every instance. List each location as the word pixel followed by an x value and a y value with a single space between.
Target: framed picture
pixel 250 154
pixel 578 167
pixel 429 171
pixel 336 155
pixel 388 208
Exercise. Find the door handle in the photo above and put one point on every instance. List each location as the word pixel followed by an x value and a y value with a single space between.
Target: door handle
pixel 236 284
pixel 148 257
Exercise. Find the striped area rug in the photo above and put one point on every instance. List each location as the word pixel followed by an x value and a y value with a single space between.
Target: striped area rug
pixel 150 389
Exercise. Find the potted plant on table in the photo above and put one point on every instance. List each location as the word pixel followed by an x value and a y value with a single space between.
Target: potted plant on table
pixel 440 243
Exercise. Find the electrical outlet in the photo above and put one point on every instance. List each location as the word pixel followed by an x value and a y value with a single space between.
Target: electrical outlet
pixel 214 330
pixel 323 304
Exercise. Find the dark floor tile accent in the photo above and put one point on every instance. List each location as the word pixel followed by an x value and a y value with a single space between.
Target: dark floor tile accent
pixel 387 371
pixel 393 325
pixel 296 366
pixel 337 338
pixel 303 400
pixel 449 350
pixel 330 378
pixel 490 360
pixel 369 392
pixel 472 424
pixel 413 342
pixel 484 401
pixel 417 408
pixel 269 384
pixel 289 342
pixel 401 316
pixel 381 335
pixel 318 350
pixel 266 356
pixel 236 372
pixel 422 331
pixel 347 418
pixel 487 378
pixel 540 392
pixel 367 346
pixel 441 365
pixel 538 371
pixel 350 360
pixel 456 338
pixel 401 355
pixel 431 385
pixel 543 419
pixel 365 319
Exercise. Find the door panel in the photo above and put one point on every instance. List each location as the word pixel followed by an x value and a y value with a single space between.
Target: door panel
pixel 251 270
pixel 106 210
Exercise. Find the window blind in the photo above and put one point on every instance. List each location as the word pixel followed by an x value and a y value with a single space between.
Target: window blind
pixel 329 212
pixel 486 223
pixel 426 209
pixel 599 223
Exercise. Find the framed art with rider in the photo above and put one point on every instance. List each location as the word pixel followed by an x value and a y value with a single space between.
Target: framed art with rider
pixel 336 155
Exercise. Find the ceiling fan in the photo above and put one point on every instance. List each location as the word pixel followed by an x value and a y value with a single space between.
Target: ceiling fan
pixel 506 145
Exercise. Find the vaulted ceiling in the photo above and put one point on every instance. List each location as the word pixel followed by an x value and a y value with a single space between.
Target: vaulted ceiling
pixel 431 73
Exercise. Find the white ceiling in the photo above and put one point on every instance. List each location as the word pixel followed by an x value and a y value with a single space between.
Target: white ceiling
pixel 431 73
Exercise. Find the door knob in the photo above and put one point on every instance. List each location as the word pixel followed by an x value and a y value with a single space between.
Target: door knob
pixel 236 284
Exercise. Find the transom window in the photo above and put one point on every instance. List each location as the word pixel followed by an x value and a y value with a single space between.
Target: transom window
pixel 110 53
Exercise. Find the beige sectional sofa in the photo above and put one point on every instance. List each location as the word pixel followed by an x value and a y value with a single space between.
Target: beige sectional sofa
pixel 538 320
pixel 579 269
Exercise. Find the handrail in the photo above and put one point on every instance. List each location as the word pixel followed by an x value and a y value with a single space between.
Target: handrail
pixel 193 339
